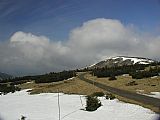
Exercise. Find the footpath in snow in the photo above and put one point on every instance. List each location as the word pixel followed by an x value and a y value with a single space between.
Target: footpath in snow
pixel 44 107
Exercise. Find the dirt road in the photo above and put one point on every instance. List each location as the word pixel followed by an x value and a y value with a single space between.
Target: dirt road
pixel 133 96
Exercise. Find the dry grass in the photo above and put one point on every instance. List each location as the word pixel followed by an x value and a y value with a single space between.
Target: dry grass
pixel 74 86
pixel 147 84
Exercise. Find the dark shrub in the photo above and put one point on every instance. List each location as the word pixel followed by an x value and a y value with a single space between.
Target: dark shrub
pixel 5 88
pixel 112 78
pixel 97 94
pixel 23 117
pixel 110 96
pixel 132 83
pixel 92 103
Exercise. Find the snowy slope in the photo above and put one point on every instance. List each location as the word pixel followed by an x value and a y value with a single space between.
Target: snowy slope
pixel 135 59
pixel 44 107
pixel 120 61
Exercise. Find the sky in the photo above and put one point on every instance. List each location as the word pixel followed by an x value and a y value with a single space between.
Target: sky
pixel 39 36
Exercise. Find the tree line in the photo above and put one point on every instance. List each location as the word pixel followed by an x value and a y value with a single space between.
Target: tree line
pixel 55 77
pixel 146 73
pixel 137 71
pixel 117 70
pixel 6 88
pixel 45 78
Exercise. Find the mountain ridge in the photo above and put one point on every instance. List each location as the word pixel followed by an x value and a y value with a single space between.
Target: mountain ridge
pixel 120 61
pixel 4 76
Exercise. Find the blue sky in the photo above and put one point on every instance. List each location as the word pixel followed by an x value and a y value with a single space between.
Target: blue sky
pixel 39 36
pixel 56 18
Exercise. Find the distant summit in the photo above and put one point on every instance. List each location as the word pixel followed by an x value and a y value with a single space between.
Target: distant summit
pixel 4 76
pixel 121 61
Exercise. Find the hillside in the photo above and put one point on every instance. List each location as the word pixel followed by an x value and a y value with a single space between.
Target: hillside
pixel 121 61
pixel 4 76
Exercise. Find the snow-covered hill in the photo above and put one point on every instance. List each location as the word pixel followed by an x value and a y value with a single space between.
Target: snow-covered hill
pixel 120 61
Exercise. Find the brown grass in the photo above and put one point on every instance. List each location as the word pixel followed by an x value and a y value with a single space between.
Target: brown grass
pixel 74 86
pixel 147 84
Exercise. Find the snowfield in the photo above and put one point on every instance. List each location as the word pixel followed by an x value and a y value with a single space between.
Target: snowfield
pixel 135 60
pixel 44 107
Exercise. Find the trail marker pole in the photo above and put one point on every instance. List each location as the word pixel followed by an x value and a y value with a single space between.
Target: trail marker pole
pixel 59 110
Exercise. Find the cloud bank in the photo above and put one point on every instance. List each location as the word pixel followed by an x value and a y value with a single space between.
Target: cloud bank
pixel 26 53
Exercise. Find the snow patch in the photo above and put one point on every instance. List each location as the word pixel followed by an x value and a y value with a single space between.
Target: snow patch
pixel 92 65
pixel 71 78
pixel 124 75
pixel 154 94
pixel 29 82
pixel 134 59
pixel 142 62
pixel 151 94
pixel 139 91
pixel 154 77
pixel 44 107
pixel 114 58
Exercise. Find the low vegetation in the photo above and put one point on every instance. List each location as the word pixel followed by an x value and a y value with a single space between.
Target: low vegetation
pixel 97 94
pixel 137 71
pixel 22 118
pixel 55 77
pixel 131 83
pixel 92 103
pixel 5 88
pixel 117 70
pixel 112 78
pixel 146 73
pixel 125 82
pixel 46 78
pixel 110 96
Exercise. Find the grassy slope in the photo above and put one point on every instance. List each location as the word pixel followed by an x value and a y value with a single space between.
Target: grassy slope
pixel 74 86
pixel 146 84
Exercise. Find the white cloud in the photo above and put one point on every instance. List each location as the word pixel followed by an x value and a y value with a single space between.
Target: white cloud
pixel 94 40
pixel 107 37
pixel 29 53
